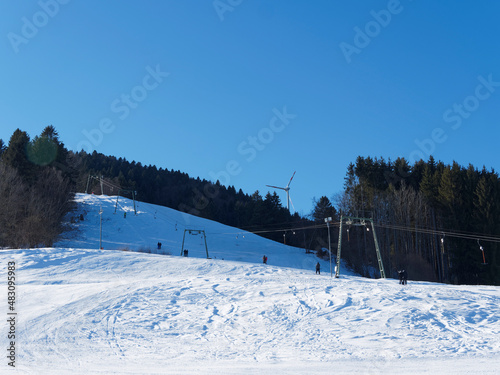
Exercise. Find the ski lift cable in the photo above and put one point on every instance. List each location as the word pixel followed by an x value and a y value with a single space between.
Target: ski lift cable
pixel 107 183
pixel 441 233
pixel 272 230
pixel 436 232
pixel 168 219
pixel 439 230
pixel 454 234
pixel 282 229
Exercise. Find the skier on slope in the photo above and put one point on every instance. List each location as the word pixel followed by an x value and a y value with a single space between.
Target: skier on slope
pixel 318 266
pixel 264 259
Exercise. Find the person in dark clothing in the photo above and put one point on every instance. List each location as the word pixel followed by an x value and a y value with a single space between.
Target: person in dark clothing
pixel 185 252
pixel 159 245
pixel 318 269
pixel 264 259
pixel 403 277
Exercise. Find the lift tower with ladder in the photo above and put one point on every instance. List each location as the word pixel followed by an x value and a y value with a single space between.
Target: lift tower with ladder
pixel 360 221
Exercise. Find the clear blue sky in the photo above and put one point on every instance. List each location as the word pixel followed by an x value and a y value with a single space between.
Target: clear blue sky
pixel 200 86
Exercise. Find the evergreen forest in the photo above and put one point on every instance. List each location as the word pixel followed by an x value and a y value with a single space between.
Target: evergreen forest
pixel 439 222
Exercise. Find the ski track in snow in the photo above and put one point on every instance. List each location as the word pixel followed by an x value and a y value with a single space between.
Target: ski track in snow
pixel 102 311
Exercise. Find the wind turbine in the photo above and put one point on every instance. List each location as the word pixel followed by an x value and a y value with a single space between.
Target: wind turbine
pixel 287 189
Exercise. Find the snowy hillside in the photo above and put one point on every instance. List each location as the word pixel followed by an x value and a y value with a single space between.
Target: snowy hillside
pixel 153 224
pixel 114 312
pixel 82 311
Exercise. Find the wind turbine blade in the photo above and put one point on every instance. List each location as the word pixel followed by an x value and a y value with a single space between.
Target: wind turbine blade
pixel 289 197
pixel 276 187
pixel 289 182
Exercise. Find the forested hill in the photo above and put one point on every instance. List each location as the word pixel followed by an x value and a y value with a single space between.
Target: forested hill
pixel 38 176
pixel 436 219
pixel 265 215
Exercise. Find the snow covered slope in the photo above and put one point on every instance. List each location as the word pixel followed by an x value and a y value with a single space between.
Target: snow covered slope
pixel 154 224
pixel 115 312
pixel 82 311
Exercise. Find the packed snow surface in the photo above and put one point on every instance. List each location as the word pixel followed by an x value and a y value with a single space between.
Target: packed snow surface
pixel 92 311
pixel 141 228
